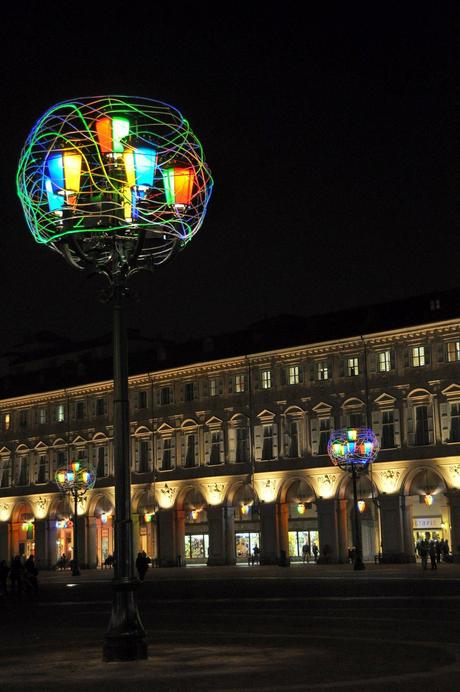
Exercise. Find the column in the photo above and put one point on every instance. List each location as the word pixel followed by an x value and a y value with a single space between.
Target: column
pixel 42 545
pixel 82 541
pixel 284 527
pixel 5 551
pixel 92 543
pixel 342 517
pixel 269 548
pixel 230 552
pixel 180 537
pixel 167 538
pixel 51 539
pixel 221 536
pixel 328 530
pixel 453 497
pixel 394 529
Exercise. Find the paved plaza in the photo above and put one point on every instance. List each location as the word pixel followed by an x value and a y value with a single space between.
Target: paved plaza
pixel 242 628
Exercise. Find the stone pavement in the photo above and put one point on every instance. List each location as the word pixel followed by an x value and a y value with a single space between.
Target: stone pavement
pixel 307 627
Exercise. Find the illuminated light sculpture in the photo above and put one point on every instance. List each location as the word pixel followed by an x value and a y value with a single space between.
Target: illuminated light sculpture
pixel 361 506
pixel 301 508
pixel 352 450
pixel 246 506
pixel 139 195
pixel 75 480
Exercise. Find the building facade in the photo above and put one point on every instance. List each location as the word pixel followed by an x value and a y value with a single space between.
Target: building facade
pixel 230 454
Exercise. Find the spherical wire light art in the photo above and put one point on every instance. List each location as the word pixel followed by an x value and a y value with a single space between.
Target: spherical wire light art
pixel 113 183
pixel 353 448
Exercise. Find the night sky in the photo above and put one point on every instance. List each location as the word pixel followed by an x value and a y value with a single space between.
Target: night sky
pixel 332 138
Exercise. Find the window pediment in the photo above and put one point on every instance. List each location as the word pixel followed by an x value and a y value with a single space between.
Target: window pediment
pixel 452 391
pixel 322 409
pixel 385 400
pixel 165 429
pixel 41 446
pixel 214 422
pixel 266 416
pixel 353 404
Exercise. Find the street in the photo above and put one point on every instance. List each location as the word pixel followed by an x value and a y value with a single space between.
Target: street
pixel 262 628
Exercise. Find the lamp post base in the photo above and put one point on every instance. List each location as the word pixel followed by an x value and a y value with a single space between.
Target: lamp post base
pixel 125 637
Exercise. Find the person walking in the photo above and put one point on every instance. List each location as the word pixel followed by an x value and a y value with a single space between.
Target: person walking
pixel 4 571
pixel 31 574
pixel 433 555
pixel 142 564
pixel 315 552
pixel 16 575
pixel 306 552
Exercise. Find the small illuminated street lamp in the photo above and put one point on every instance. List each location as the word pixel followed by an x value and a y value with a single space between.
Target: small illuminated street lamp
pixel 75 480
pixel 352 450
pixel 115 185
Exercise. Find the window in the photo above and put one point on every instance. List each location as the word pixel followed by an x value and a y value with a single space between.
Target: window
pixel 240 383
pixel 324 434
pixel 23 419
pixel 215 447
pixel 100 407
pixel 5 466
pixel 166 455
pixel 384 361
pixel 213 387
pixel 144 466
pixel 267 448
pixel 189 391
pixel 418 356
pixel 356 420
pixel 422 436
pixel 165 396
pixel 42 474
pixel 242 444
pixel 454 422
pixel 42 416
pixel 190 451
pixel 293 439
pixel 60 413
pixel 23 475
pixel 61 459
pixel 388 430
pixel 293 374
pixel 100 468
pixel 142 399
pixel 266 379
pixel 322 370
pixel 6 421
pixel 453 351
pixel 80 410
pixel 352 366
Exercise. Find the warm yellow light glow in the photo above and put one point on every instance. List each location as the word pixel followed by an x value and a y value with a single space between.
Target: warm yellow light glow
pixel 429 499
pixel 301 508
pixel 361 505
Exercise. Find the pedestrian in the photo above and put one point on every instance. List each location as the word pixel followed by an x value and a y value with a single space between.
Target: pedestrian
pixel 31 574
pixel 432 553
pixel 256 554
pixel 438 551
pixel 4 571
pixel 306 552
pixel 142 564
pixel 16 572
pixel 315 552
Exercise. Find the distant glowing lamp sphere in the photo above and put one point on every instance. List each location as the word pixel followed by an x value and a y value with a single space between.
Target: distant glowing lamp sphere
pixel 353 448
pixel 113 174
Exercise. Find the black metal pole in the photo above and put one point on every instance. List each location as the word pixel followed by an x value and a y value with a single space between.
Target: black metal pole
pixel 75 568
pixel 125 637
pixel 358 561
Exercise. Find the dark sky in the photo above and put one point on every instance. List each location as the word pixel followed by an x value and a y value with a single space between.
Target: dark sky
pixel 332 138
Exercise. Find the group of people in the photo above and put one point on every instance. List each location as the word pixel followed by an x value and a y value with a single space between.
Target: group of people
pixel 22 573
pixel 307 552
pixel 432 548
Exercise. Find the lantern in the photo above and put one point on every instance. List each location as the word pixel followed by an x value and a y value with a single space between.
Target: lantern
pixel 110 132
pixel 428 499
pixel 361 506
pixel 178 183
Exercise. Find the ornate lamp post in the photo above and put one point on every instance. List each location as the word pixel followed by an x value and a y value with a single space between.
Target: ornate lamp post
pixel 352 450
pixel 74 481
pixel 115 185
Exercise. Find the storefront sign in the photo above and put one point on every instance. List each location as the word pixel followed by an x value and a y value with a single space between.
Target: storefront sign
pixel 427 522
